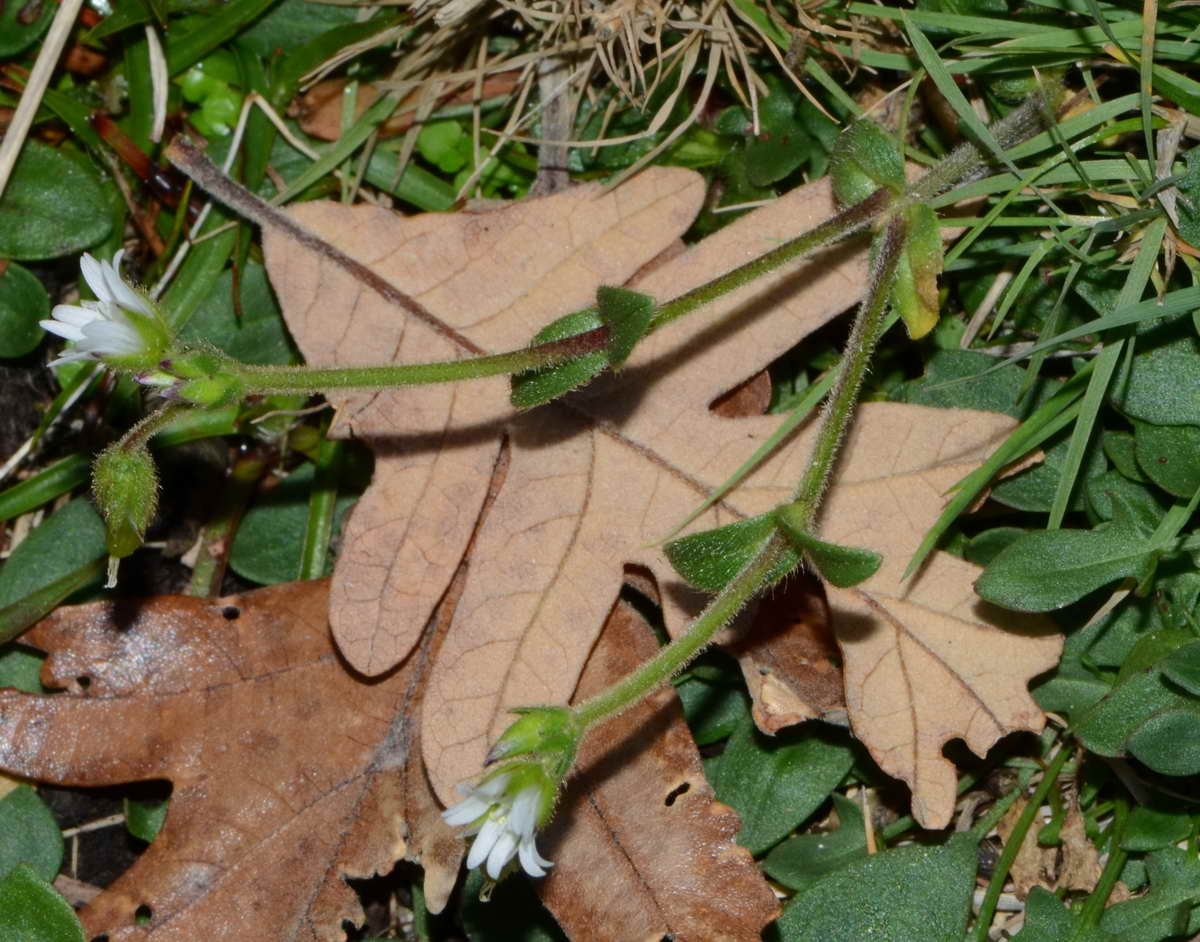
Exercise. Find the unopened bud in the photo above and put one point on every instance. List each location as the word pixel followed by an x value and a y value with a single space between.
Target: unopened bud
pixel 125 483
pixel 550 733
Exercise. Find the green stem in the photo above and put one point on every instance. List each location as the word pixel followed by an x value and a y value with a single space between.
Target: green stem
pixel 1093 909
pixel 839 408
pixel 284 379
pixel 1013 845
pixel 321 505
pixel 679 653
pixel 747 583
pixel 843 224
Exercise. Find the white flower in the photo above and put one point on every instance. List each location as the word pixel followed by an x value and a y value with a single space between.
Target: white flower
pixel 120 322
pixel 503 812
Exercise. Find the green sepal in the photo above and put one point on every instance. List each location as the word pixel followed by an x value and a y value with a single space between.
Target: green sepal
pixel 915 290
pixel 626 314
pixel 201 377
pixel 710 559
pixel 534 387
pixel 125 483
pixel 549 732
pixel 842 566
pixel 864 159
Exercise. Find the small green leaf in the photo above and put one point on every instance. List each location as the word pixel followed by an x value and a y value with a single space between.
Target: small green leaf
pixel 843 566
pixel 253 334
pixel 1033 489
pixel 16 35
pixel 915 290
pixel 1182 667
pixel 1165 371
pixel 1108 490
pixel 23 302
pixel 1049 569
pixel 910 894
pixel 31 910
pixel 54 205
pixel 1169 742
pixel 269 544
pixel 1047 919
pixel 125 484
pixel 709 559
pixel 1148 828
pixel 1170 456
pixel 21 668
pixel 776 783
pixel 1119 448
pixel 865 158
pixel 69 538
pixel 534 387
pixel 144 819
pixel 626 314
pixel 31 835
pixel 713 697
pixel 1168 910
pixel 800 861
pixel 986 546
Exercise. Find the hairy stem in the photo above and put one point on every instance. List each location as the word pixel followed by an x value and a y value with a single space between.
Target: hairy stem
pixel 747 583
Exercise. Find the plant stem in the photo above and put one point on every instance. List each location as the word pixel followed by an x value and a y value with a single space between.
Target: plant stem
pixel 1013 846
pixel 838 227
pixel 216 536
pixel 1093 909
pixel 679 653
pixel 284 379
pixel 839 407
pixel 747 583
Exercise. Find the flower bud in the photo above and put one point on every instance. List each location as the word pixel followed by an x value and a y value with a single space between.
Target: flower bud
pixel 125 483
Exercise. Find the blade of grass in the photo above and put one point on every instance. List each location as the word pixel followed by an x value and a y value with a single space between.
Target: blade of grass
pixel 322 500
pixel 19 615
pixel 1106 364
pixel 49 483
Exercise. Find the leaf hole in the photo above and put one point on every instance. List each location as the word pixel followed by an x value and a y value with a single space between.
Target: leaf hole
pixel 84 681
pixel 231 613
pixel 103 937
pixel 143 914
pixel 682 789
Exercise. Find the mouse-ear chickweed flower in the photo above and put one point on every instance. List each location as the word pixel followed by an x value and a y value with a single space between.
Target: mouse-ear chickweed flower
pixel 121 327
pixel 503 812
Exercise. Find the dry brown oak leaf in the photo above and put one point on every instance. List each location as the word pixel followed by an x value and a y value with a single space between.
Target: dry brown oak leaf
pixel 638 840
pixel 289 773
pixel 596 482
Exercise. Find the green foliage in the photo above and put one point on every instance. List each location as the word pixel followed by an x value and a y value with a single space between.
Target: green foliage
pixel 125 484
pixel 18 30
pixel 865 159
pixel 251 331
pixel 31 835
pixel 536 387
pixel 709 559
pixel 1169 909
pixel 30 910
pixel 843 566
pixel 1048 920
pixel 776 783
pixel 801 861
pixel 54 205
pixel 69 538
pixel 909 894
pixel 1049 569
pixel 626 314
pixel 23 302
pixel 144 819
pixel 269 544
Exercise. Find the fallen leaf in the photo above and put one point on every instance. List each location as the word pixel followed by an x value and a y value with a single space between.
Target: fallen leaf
pixel 1034 864
pixel 1080 867
pixel 491 280
pixel 597 481
pixel 319 110
pixel 638 839
pixel 289 772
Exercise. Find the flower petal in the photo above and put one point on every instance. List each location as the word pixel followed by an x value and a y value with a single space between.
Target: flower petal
pixel 93 273
pixel 465 812
pixel 484 841
pixel 119 289
pixel 503 851
pixel 531 861
pixel 67 331
pixel 75 314
pixel 523 817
